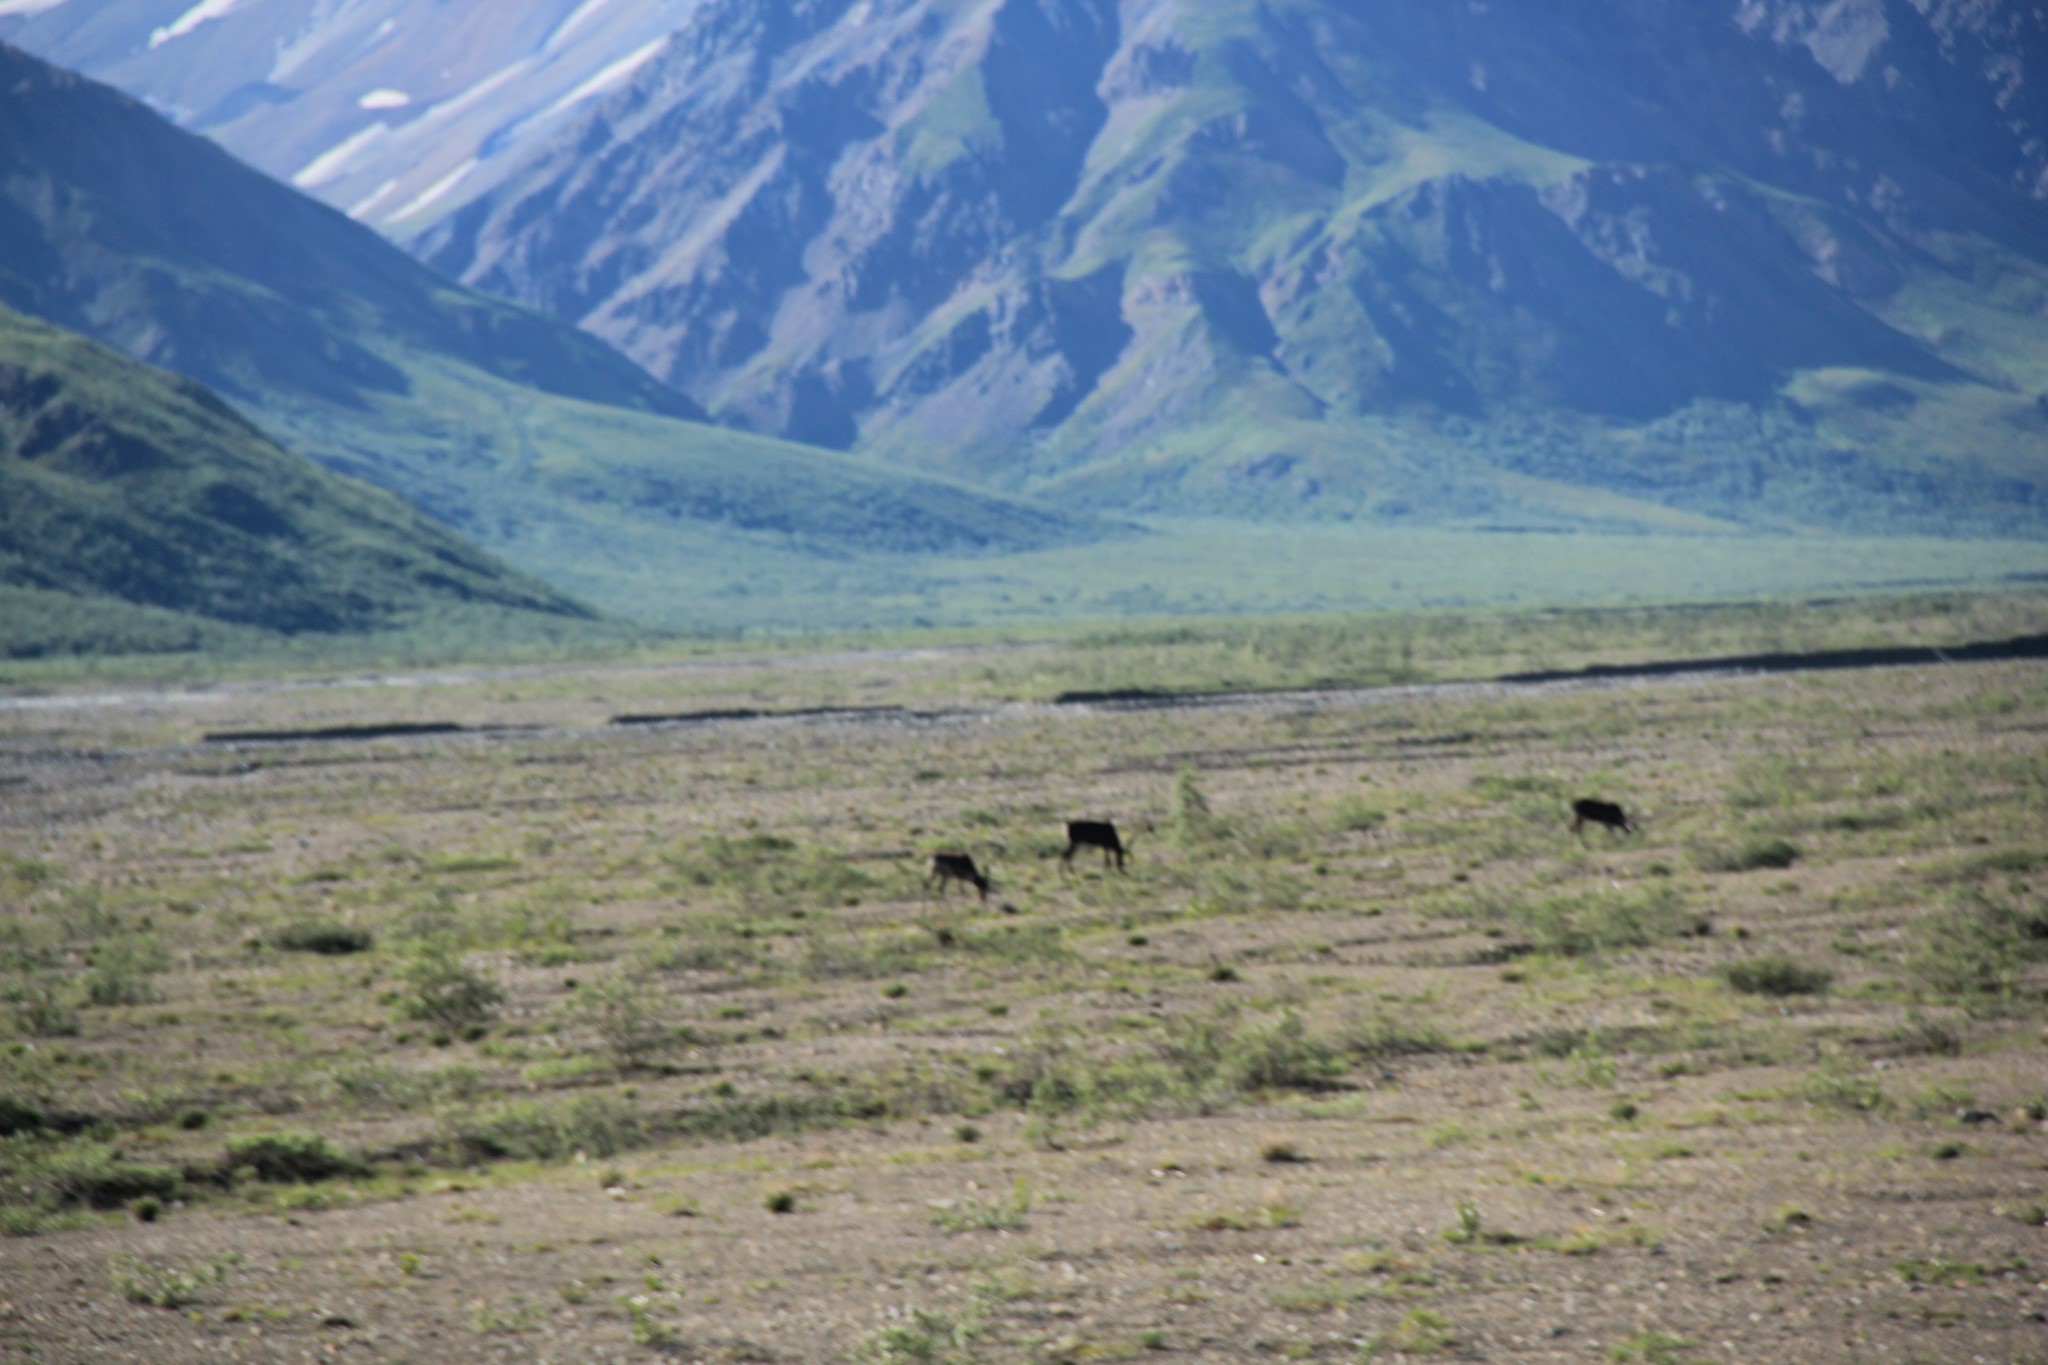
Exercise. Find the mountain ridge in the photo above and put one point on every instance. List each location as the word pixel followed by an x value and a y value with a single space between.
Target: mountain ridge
pixel 848 225
pixel 1771 264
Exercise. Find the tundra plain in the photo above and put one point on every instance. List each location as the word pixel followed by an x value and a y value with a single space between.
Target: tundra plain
pixel 550 1038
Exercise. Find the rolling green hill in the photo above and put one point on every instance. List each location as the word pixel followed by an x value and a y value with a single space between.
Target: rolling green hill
pixel 138 511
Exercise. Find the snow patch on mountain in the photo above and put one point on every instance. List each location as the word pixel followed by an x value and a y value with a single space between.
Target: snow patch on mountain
pixel 612 75
pixel 568 26
pixel 204 12
pixel 334 160
pixel 295 87
pixel 438 191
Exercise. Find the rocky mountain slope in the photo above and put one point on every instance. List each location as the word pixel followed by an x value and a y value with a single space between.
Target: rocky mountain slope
pixel 1780 263
pixel 532 438
pixel 391 110
pixel 136 503
pixel 1760 260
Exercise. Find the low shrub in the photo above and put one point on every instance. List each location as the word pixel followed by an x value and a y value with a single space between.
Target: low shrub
pixel 743 1118
pixel 442 989
pixel 977 1215
pixel 597 1125
pixel 98 1176
pixel 1192 824
pixel 1382 1037
pixel 18 1116
pixel 1749 856
pixel 922 1337
pixel 121 972
pixel 1592 923
pixel 1282 1057
pixel 1982 945
pixel 1835 1089
pixel 631 1016
pixel 325 937
pixel 766 873
pixel 1777 975
pixel 1422 1331
pixel 290 1157
pixel 1354 815
pixel 163 1286
pixel 40 1010
pixel 1651 1348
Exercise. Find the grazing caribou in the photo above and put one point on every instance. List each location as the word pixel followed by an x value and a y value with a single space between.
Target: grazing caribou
pixel 1600 813
pixel 1093 834
pixel 956 867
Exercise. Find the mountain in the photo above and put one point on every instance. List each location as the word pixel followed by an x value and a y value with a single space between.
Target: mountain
pixel 1763 261
pixel 1620 263
pixel 118 225
pixel 137 509
pixel 535 440
pixel 392 110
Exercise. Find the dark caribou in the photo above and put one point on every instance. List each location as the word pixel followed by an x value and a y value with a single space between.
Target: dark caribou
pixel 957 867
pixel 1592 810
pixel 1093 834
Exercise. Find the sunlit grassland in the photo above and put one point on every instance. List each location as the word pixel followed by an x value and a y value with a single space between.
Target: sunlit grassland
pixel 1361 1005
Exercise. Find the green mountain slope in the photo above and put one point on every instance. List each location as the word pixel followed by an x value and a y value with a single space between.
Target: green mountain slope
pixel 138 510
pixel 1778 264
pixel 533 439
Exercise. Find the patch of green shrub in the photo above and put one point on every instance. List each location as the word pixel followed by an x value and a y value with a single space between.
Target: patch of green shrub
pixel 1834 1089
pixel 1981 945
pixel 1354 815
pixel 1749 856
pixel 18 1116
pixel 743 1118
pixel 631 1016
pixel 1281 1057
pixel 163 1286
pixel 596 1125
pixel 1651 1348
pixel 301 1158
pixel 40 1010
pixel 766 873
pixel 99 1176
pixel 1192 824
pixel 978 1215
pixel 1777 975
pixel 867 957
pixel 122 969
pixel 1595 922
pixel 440 988
pixel 325 937
pixel 1422 1331
pixel 922 1337
pixel 1383 1037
